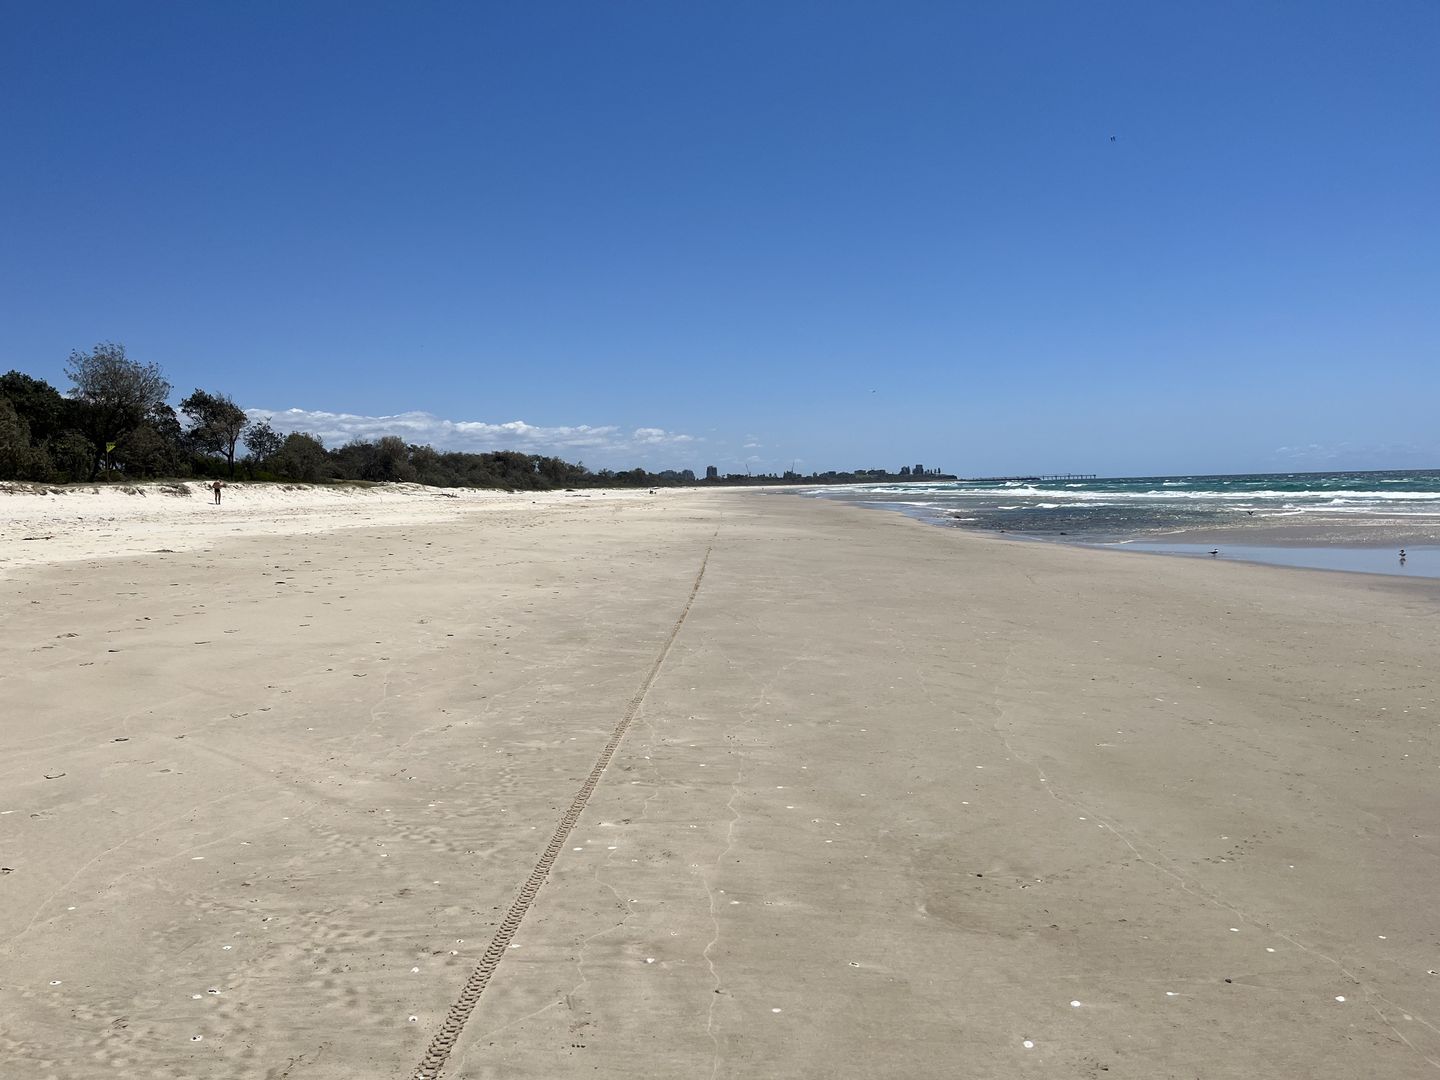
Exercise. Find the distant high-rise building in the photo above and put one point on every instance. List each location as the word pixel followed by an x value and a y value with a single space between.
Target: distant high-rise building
pixel 919 470
pixel 904 470
pixel 711 472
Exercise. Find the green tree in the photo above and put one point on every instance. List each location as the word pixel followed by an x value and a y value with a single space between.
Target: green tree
pixel 71 456
pixel 114 394
pixel 14 442
pixel 216 424
pixel 263 442
pixel 167 425
pixel 144 452
pixel 387 459
pixel 302 457
pixel 155 448
pixel 392 460
pixel 38 403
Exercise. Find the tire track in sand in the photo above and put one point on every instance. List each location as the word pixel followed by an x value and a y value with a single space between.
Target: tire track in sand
pixel 444 1041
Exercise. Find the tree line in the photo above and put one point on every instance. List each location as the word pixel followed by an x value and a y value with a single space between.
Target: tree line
pixel 116 423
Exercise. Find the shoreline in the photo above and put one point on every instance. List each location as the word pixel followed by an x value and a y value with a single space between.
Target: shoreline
pixel 888 795
pixel 1379 533
pixel 1421 562
pixel 1400 509
pixel 1369 560
pixel 1311 531
pixel 1264 542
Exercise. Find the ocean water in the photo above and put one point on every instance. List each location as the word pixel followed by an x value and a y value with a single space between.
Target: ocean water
pixel 1383 510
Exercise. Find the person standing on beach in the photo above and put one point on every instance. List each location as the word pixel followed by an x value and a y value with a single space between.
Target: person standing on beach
pixel 216 488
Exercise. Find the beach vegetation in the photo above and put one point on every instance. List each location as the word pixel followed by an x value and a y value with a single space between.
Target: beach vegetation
pixel 116 425
pixel 387 459
pixel 70 456
pixel 144 452
pixel 14 443
pixel 42 407
pixel 301 457
pixel 113 395
pixel 38 436
pixel 263 442
pixel 217 424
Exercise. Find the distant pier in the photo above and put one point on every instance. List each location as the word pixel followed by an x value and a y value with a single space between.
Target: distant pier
pixel 1027 479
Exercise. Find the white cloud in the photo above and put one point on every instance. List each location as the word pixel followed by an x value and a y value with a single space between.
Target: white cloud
pixel 605 445
pixel 652 436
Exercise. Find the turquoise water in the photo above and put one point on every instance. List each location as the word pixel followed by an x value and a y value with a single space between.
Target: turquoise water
pixel 1383 511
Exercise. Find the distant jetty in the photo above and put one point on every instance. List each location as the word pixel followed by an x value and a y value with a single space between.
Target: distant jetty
pixel 1027 479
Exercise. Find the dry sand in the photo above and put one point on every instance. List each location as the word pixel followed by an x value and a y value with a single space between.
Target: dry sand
pixel 895 800
pixel 40 524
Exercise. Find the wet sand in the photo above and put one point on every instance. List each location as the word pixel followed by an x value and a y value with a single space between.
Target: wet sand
pixel 887 800
pixel 1420 562
pixel 1315 529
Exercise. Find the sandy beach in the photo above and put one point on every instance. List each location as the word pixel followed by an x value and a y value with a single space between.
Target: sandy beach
pixel 383 783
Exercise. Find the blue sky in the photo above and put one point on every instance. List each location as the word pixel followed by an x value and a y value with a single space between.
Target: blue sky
pixel 835 234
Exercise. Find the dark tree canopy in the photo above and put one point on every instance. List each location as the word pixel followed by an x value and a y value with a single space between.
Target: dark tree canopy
pixel 72 455
pixel 263 442
pixel 37 436
pixel 303 457
pixel 14 441
pixel 114 393
pixel 37 403
pixel 117 415
pixel 154 448
pixel 217 424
